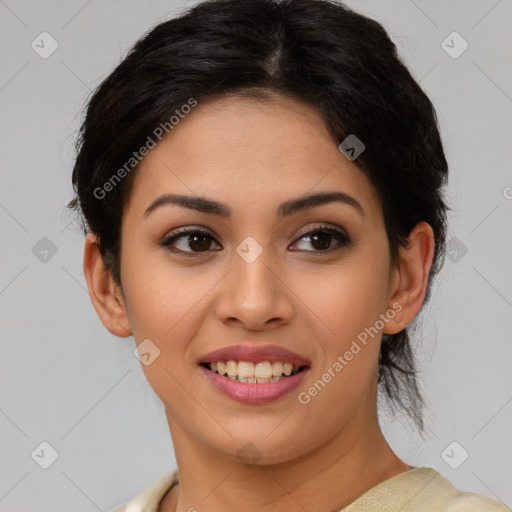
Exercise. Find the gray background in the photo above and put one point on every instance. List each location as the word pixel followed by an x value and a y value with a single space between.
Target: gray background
pixel 67 381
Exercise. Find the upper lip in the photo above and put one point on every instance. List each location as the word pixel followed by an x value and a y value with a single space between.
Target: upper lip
pixel 255 354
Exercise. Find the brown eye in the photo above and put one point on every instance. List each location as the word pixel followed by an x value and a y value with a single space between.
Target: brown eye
pixel 321 239
pixel 199 242
pixel 189 241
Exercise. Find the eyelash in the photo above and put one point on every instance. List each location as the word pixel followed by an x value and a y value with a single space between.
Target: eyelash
pixel 340 236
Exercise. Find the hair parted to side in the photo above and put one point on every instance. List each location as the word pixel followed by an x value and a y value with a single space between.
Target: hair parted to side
pixel 317 51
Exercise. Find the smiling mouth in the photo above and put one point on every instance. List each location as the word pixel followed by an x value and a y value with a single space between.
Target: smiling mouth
pixel 261 372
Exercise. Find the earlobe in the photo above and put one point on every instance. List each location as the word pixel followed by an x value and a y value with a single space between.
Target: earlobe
pixel 104 293
pixel 410 278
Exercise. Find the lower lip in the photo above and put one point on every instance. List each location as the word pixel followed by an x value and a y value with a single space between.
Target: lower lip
pixel 254 393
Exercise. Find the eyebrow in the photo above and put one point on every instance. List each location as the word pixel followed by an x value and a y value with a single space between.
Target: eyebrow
pixel 205 205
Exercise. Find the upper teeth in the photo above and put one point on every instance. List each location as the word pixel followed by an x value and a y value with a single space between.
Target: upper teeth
pixel 247 370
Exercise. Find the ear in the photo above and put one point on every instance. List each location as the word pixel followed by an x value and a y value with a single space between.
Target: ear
pixel 409 279
pixel 105 295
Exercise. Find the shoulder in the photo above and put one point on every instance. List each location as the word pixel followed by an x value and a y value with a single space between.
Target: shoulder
pixel 422 489
pixel 149 499
pixel 452 499
pixel 440 494
pixel 469 502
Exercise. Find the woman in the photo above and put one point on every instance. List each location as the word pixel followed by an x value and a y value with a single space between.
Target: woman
pixel 261 184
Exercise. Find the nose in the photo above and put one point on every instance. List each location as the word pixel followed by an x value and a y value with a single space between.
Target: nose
pixel 254 295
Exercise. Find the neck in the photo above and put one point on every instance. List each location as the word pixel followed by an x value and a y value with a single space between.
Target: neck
pixel 330 477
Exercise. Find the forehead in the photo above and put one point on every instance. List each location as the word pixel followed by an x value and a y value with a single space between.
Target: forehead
pixel 245 151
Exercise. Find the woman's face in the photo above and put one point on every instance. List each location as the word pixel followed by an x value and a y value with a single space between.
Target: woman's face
pixel 257 278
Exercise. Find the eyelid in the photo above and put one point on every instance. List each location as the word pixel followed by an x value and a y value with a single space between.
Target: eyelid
pixel 318 227
pixel 188 229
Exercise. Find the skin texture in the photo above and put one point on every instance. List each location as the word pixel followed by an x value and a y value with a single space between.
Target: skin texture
pixel 253 155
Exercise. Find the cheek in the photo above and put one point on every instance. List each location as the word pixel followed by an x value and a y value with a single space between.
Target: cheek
pixel 347 302
pixel 349 305
pixel 165 304
pixel 163 297
pixel 345 299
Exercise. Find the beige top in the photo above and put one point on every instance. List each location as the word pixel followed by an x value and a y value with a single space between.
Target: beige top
pixel 418 490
